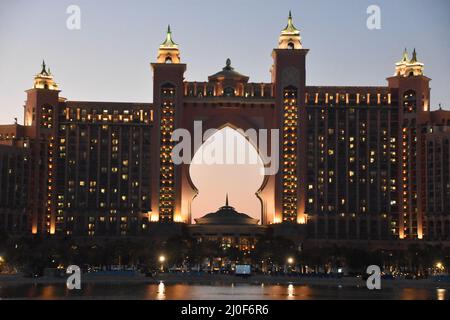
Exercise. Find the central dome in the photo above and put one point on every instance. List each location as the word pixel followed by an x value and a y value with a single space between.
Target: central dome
pixel 227 215
pixel 228 73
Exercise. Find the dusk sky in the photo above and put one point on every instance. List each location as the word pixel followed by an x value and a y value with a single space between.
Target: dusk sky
pixel 109 58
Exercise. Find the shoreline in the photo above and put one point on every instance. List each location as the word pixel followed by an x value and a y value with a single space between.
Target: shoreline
pixel 221 280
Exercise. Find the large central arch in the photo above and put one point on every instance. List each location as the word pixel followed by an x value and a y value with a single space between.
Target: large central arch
pixel 228 163
pixel 236 119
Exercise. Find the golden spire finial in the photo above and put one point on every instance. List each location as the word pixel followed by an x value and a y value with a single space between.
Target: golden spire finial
pixel 43 66
pixel 414 56
pixel 290 28
pixel 405 56
pixel 290 36
pixel 44 79
pixel 169 43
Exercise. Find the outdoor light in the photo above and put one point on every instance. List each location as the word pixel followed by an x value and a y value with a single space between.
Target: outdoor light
pixel 2 259
pixel 290 260
pixel 162 259
pixel 439 266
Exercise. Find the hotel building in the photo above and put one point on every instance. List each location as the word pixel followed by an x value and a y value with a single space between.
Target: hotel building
pixel 357 163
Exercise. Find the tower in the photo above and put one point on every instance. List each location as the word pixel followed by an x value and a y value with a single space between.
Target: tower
pixel 413 90
pixel 168 94
pixel 289 79
pixel 41 113
pixel 41 100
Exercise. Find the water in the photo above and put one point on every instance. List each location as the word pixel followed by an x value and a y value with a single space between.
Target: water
pixel 216 292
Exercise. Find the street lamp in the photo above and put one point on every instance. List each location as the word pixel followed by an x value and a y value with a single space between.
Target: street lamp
pixel 162 259
pixel 440 266
pixel 288 267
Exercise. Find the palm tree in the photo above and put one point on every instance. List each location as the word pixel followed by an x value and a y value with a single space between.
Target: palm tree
pixel 177 249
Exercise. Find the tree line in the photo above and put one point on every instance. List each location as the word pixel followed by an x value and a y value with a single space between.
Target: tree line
pixel 33 254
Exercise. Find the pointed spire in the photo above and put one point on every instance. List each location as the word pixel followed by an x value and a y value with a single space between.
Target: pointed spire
pixel 44 71
pixel 44 79
pixel 227 204
pixel 405 57
pixel 414 57
pixel 169 41
pixel 290 28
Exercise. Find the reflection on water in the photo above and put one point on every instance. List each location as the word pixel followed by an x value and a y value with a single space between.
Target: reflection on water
pixel 161 294
pixel 291 292
pixel 164 291
pixel 441 294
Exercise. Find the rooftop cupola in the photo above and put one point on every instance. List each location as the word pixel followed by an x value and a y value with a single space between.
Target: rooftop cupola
pixel 227 215
pixel 228 73
pixel 409 67
pixel 290 37
pixel 44 79
pixel 168 51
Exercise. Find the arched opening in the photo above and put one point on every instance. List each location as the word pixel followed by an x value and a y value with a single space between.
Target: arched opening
pixel 291 46
pixel 227 163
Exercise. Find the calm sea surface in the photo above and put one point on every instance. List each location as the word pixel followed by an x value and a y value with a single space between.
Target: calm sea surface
pixel 216 292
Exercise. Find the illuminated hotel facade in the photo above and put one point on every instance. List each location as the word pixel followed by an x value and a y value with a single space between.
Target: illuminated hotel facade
pixel 356 163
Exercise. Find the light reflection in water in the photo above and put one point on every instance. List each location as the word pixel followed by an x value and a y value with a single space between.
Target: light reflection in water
pixel 441 293
pixel 48 292
pixel 161 293
pixel 291 291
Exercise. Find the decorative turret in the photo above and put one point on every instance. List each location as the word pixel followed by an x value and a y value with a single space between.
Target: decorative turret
pixel 44 80
pixel 414 57
pixel 409 67
pixel 168 51
pixel 228 73
pixel 405 57
pixel 290 36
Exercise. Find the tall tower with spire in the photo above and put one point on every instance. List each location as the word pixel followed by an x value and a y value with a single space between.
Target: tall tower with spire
pixel 289 81
pixel 41 123
pixel 168 93
pixel 413 90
